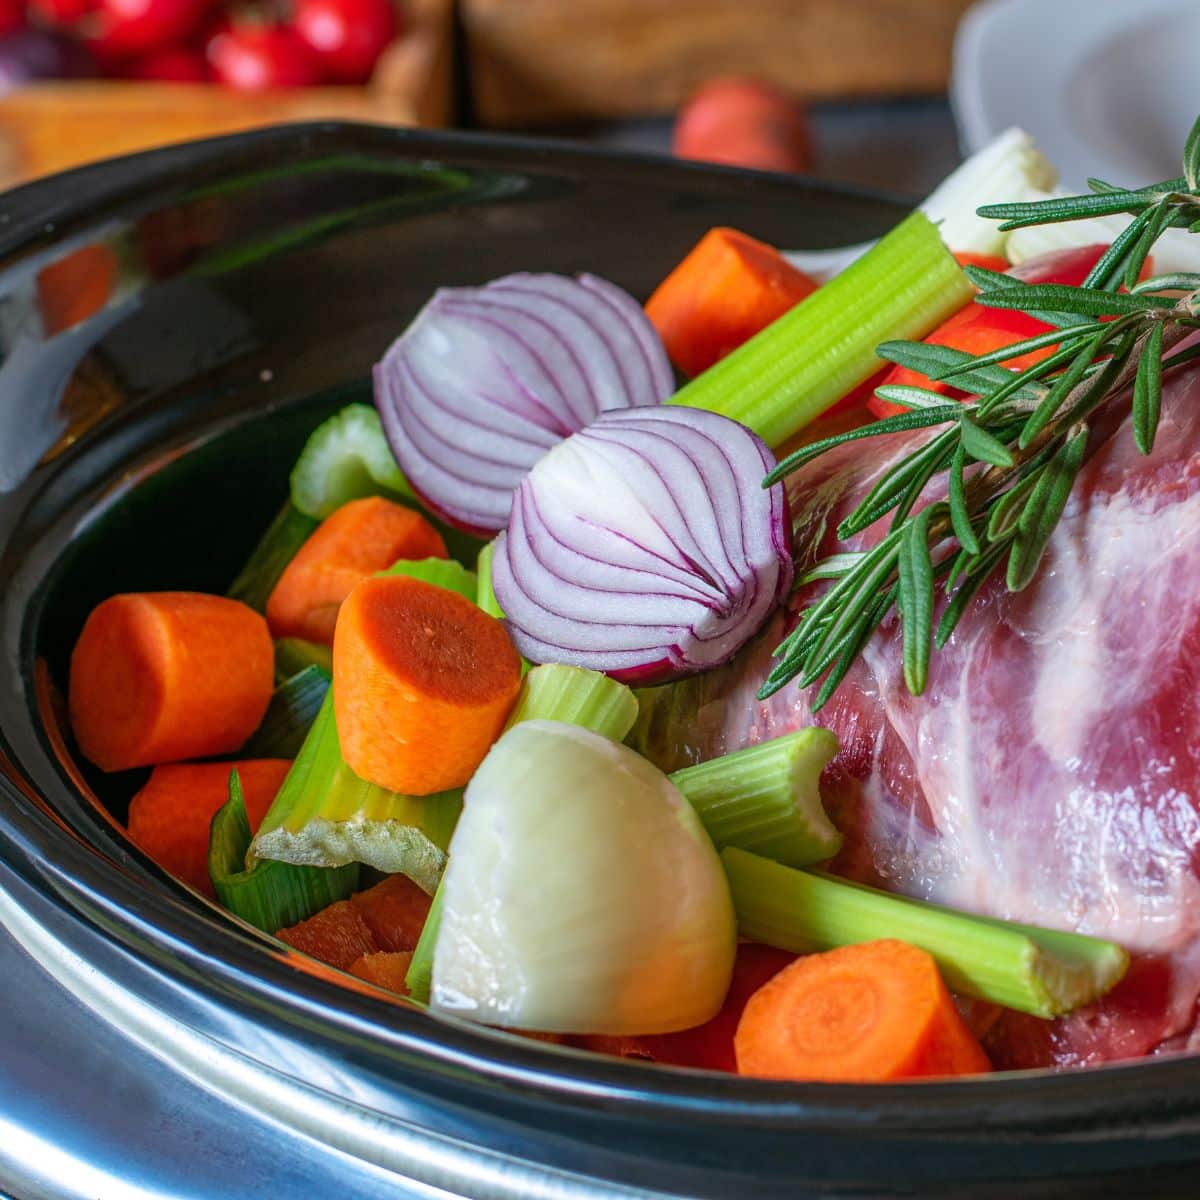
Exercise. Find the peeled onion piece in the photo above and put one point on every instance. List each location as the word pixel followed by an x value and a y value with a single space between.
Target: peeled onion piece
pixel 582 894
pixel 487 379
pixel 645 546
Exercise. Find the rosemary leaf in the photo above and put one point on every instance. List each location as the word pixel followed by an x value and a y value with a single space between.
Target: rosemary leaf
pixel 1182 281
pixel 1061 297
pixel 853 649
pixel 966 593
pixel 1006 512
pixel 1191 158
pixel 935 361
pixel 1018 349
pixel 1147 390
pixel 1062 387
pixel 833 567
pixel 1040 515
pixel 915 580
pixel 898 481
pixel 960 518
pixel 868 581
pixel 1065 208
pixel 910 397
pixel 1108 266
pixel 981 445
pixel 1160 218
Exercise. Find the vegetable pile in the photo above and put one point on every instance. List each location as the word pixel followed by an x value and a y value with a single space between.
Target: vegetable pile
pixel 364 704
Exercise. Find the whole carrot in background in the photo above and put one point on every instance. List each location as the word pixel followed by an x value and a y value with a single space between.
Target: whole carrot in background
pixel 164 676
pixel 868 1013
pixel 422 683
pixel 170 817
pixel 360 538
pixel 728 288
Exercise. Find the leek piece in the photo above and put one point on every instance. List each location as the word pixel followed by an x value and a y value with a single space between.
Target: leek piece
pixel 766 798
pixel 485 595
pixel 575 696
pixel 293 708
pixel 271 895
pixel 1038 971
pixel 285 535
pixel 293 655
pixel 345 458
pixel 419 976
pixel 553 692
pixel 796 368
pixel 441 572
pixel 326 815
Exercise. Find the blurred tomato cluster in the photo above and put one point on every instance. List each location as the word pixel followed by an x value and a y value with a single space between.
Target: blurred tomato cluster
pixel 248 45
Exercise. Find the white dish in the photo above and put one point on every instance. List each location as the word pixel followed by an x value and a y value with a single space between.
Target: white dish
pixel 1106 88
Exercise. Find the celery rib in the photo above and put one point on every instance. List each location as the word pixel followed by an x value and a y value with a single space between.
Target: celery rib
pixel 767 798
pixel 290 715
pixel 812 356
pixel 485 595
pixel 441 572
pixel 1039 971
pixel 576 696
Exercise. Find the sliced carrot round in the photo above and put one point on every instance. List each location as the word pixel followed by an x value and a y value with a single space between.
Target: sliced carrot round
pixel 162 676
pixel 360 538
pixel 873 1012
pixel 422 683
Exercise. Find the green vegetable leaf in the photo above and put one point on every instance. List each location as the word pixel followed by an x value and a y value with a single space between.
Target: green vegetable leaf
pixel 916 599
pixel 981 445
pixel 1147 390
pixel 1191 158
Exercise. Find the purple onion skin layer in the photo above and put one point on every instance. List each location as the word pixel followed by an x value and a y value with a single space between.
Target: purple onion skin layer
pixel 645 546
pixel 486 380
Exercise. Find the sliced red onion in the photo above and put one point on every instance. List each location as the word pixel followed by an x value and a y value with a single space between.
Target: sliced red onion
pixel 487 379
pixel 645 546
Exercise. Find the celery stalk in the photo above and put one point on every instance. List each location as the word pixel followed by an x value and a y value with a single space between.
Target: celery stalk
pixel 293 655
pixel 576 696
pixel 271 895
pixel 485 596
pixel 1038 971
pixel 325 815
pixel 441 572
pixel 796 368
pixel 293 708
pixel 276 548
pixel 766 798
pixel 550 693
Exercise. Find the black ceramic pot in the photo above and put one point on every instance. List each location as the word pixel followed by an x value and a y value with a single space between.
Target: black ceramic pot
pixel 172 326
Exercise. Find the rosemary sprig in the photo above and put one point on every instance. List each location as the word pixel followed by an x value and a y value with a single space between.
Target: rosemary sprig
pixel 1010 455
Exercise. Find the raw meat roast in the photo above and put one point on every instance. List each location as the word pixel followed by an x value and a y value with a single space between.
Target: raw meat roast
pixel 1051 771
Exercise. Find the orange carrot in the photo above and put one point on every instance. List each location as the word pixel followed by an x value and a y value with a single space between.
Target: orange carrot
pixel 989 262
pixel 422 683
pixel 395 912
pixel 169 818
pixel 337 935
pixel 385 969
pixel 360 538
pixel 868 1013
pixel 726 290
pixel 164 676
pixel 76 286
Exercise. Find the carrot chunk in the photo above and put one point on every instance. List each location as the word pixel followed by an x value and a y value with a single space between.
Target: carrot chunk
pixel 164 676
pixel 360 538
pixel 422 683
pixel 337 935
pixel 170 817
pixel 867 1013
pixel 385 969
pixel 726 290
pixel 395 912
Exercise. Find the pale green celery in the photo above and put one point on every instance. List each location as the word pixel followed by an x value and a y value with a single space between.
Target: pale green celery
pixel 325 815
pixel 419 976
pixel 276 548
pixel 767 798
pixel 345 458
pixel 290 715
pixel 293 655
pixel 549 693
pixel 441 572
pixel 576 696
pixel 271 895
pixel 485 595
pixel 1038 971
pixel 812 356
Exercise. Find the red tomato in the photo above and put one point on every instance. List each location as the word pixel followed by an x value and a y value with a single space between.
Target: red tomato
pixel 347 36
pixel 127 28
pixel 746 123
pixel 174 64
pixel 978 329
pixel 253 58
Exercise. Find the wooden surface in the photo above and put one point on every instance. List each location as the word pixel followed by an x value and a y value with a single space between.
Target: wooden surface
pixel 535 61
pixel 49 127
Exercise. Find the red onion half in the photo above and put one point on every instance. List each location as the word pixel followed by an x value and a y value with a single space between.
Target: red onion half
pixel 487 379
pixel 645 546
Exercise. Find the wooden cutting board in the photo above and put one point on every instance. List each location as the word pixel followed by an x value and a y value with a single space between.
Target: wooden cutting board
pixel 49 127
pixel 536 61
